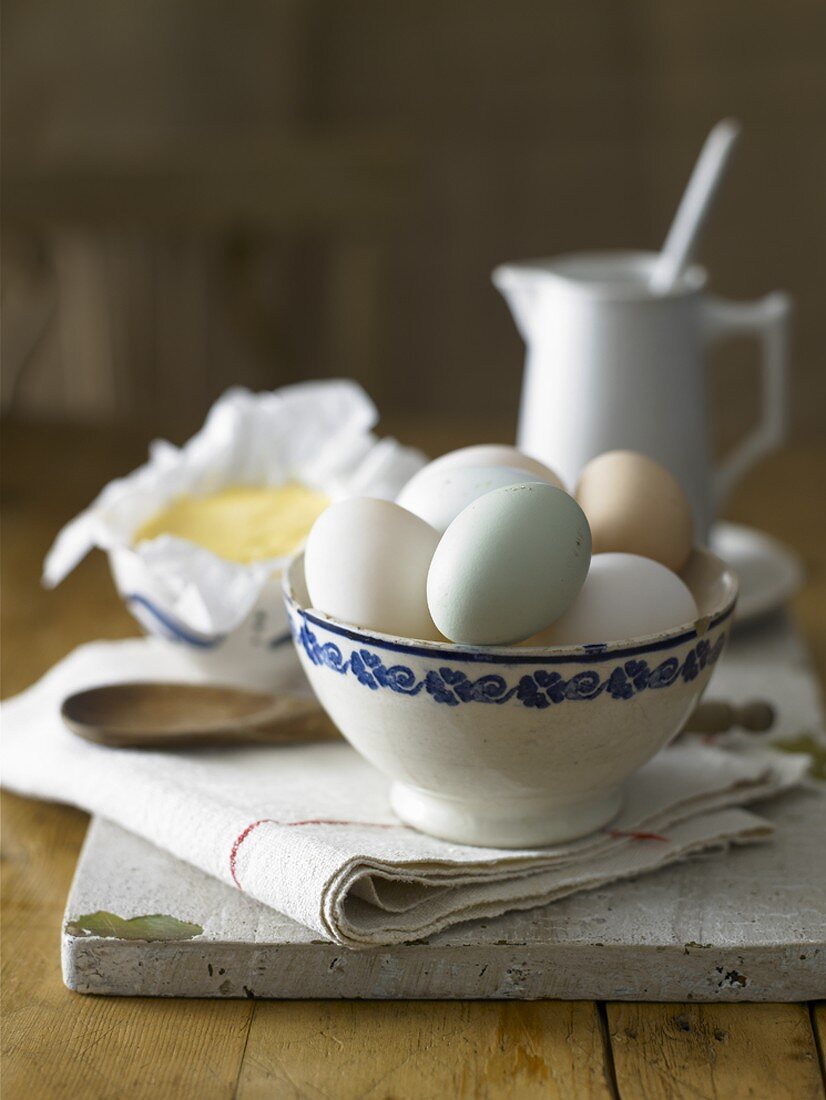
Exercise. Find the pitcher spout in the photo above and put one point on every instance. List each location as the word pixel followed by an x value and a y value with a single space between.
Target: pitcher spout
pixel 518 287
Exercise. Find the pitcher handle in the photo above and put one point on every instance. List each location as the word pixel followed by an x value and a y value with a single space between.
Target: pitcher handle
pixel 767 319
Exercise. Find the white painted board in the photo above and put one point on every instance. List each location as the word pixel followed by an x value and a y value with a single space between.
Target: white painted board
pixel 749 925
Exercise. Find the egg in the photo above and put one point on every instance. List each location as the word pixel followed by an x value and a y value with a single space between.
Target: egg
pixel 508 565
pixel 636 506
pixel 624 596
pixel 438 494
pixel 489 454
pixel 366 563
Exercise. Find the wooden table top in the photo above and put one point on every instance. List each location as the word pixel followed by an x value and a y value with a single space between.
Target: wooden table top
pixel 56 1043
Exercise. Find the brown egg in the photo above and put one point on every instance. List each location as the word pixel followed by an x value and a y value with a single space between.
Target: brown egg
pixel 636 506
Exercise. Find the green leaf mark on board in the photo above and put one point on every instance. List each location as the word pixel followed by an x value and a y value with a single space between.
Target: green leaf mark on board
pixel 809 744
pixel 155 926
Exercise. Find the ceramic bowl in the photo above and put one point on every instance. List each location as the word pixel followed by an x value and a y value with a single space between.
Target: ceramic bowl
pixel 511 747
pixel 256 653
pixel 226 619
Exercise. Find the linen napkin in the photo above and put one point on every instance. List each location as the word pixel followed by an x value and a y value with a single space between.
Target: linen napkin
pixel 309 830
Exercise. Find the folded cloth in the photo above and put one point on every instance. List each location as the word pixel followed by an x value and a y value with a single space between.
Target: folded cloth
pixel 309 831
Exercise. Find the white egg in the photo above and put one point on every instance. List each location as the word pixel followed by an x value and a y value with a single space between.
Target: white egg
pixel 624 596
pixel 366 563
pixel 508 565
pixel 437 494
pixel 489 454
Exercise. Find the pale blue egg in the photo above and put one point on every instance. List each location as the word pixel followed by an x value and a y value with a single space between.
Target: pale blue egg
pixel 509 565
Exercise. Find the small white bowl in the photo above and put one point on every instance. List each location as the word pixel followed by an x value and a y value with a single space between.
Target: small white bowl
pixel 255 653
pixel 226 618
pixel 510 747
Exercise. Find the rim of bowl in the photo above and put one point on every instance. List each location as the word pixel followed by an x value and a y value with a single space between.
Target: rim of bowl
pixel 701 558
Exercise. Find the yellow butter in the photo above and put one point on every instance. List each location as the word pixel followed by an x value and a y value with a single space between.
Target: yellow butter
pixel 242 522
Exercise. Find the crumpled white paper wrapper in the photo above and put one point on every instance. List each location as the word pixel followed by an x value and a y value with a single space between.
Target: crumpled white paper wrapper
pixel 316 433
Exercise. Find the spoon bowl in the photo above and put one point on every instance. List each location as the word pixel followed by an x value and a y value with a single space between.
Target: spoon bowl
pixel 171 715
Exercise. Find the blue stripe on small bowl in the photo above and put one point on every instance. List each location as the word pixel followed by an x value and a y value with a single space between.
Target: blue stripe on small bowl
pixel 171 629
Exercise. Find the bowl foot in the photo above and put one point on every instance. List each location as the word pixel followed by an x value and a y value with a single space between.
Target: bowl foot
pixel 521 822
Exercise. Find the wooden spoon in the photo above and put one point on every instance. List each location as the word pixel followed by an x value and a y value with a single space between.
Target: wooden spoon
pixel 177 716
pixel 717 716
pixel 184 716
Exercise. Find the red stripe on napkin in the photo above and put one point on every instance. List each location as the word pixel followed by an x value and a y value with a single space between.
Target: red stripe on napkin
pixel 242 836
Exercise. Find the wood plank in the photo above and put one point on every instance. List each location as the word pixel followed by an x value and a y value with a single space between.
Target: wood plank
pixel 819 1027
pixel 309 1048
pixel 731 1051
pixel 48 474
pixel 56 1044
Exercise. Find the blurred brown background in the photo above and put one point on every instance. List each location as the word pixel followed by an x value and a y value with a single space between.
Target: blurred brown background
pixel 198 194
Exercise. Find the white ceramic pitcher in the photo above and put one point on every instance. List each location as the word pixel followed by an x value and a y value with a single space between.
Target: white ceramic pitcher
pixel 612 365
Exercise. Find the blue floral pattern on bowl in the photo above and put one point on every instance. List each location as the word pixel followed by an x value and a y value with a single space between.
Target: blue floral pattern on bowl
pixel 539 688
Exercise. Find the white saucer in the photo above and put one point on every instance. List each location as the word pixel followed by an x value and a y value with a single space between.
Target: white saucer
pixel 769 573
